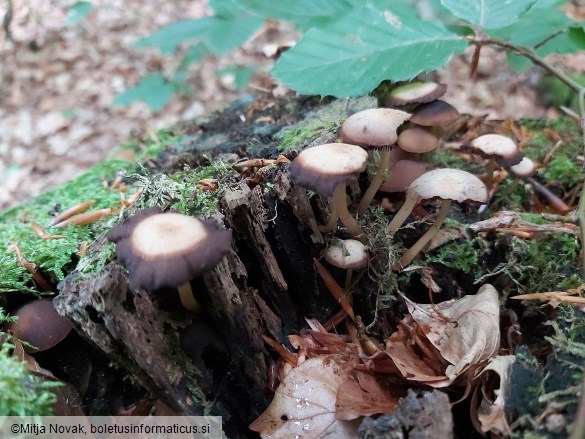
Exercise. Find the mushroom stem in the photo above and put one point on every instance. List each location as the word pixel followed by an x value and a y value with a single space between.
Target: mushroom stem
pixel 402 214
pixel 376 181
pixel 489 178
pixel 340 206
pixel 187 298
pixel 332 223
pixel 433 230
pixel 348 277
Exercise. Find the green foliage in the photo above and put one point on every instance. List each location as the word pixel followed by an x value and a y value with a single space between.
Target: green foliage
pixel 77 12
pixel 23 394
pixel 562 170
pixel 152 89
pixel 460 255
pixel 349 47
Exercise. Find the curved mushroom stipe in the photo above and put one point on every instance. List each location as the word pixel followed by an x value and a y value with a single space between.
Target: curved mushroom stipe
pixel 379 178
pixel 340 203
pixel 411 199
pixel 423 240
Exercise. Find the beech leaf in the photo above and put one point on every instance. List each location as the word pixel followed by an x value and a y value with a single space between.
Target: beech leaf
pixel 304 403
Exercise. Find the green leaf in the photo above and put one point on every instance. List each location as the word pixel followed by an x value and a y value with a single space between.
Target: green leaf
pixel 169 37
pixel 241 75
pixel 296 10
pixel 353 55
pixel 488 14
pixel 220 34
pixel 152 89
pixel 77 12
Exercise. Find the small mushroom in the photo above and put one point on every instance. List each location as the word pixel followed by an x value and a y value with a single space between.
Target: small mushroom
pixel 448 185
pixel 348 254
pixel 496 149
pixel 402 173
pixel 376 129
pixel 327 169
pixel 417 140
pixel 415 92
pixel 523 169
pixel 435 113
pixel 39 325
pixel 168 250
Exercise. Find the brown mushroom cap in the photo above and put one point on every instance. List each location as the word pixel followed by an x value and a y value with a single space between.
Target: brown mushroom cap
pixel 450 184
pixel 374 128
pixel 402 173
pixel 416 92
pixel 168 249
pixel 417 140
pixel 321 168
pixel 435 113
pixel 40 325
pixel 347 253
pixel 495 146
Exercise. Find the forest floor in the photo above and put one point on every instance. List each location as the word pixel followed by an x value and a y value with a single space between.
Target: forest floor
pixel 58 81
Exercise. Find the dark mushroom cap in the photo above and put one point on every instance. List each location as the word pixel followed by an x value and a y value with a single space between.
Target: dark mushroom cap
pixel 450 184
pixel 347 253
pixel 495 146
pixel 374 128
pixel 40 325
pixel 417 140
pixel 168 249
pixel 402 173
pixel 436 113
pixel 416 92
pixel 321 168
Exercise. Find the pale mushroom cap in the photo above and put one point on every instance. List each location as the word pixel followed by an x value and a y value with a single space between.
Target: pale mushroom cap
pixel 420 92
pixel 523 169
pixel 435 113
pixel 495 145
pixel 347 253
pixel 450 184
pixel 321 168
pixel 417 140
pixel 178 232
pixel 168 249
pixel 375 127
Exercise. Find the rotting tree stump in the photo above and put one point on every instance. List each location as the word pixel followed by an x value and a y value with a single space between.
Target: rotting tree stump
pixel 216 362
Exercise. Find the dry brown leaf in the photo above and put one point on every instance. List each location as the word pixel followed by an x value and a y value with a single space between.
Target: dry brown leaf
pixel 464 332
pixel 488 414
pixel 364 395
pixel 304 403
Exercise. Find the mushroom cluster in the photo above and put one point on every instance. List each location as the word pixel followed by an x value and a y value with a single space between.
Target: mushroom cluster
pixel 169 250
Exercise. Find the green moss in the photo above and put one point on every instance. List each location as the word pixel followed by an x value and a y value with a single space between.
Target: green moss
pixel 306 133
pixel 461 254
pixel 540 145
pixel 512 194
pixel 55 257
pixel 23 393
pixel 563 171
pixel 442 158
pixel 180 191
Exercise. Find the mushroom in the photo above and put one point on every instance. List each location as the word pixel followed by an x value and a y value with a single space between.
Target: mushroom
pixel 417 140
pixel 435 113
pixel 496 149
pixel 39 325
pixel 448 185
pixel 374 128
pixel 348 254
pixel 523 169
pixel 327 169
pixel 402 173
pixel 415 92
pixel 168 250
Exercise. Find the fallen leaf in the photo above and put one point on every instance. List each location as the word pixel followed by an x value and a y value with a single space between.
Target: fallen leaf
pixel 304 403
pixel 463 332
pixel 488 408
